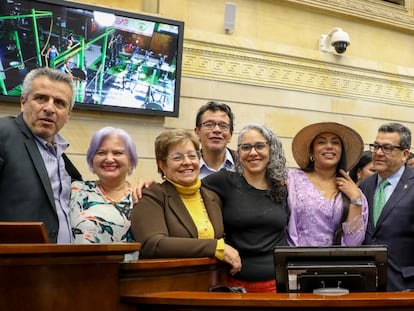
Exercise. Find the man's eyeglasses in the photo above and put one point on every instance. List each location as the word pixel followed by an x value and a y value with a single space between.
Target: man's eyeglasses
pixel 386 148
pixel 260 146
pixel 209 125
pixel 179 157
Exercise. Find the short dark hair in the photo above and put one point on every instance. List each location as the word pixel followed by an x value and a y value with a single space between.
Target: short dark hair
pixel 403 131
pixel 366 157
pixel 215 106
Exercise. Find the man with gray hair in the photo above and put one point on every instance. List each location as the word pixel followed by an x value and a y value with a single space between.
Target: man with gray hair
pixel 35 175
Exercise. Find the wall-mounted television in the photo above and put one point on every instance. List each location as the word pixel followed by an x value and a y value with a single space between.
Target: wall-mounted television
pixel 331 270
pixel 120 61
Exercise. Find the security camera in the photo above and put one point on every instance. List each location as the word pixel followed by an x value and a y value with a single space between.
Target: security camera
pixel 336 39
pixel 340 40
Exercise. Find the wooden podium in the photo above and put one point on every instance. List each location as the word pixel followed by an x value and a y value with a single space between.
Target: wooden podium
pixel 168 274
pixel 62 277
pixel 182 284
pixel 196 301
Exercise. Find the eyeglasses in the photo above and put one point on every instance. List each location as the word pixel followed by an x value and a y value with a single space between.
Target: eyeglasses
pixel 260 146
pixel 179 157
pixel 386 148
pixel 209 125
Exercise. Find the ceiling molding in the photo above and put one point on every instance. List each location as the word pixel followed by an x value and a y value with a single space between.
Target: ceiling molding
pixel 389 15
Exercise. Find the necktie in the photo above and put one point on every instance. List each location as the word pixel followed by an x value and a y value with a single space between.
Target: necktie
pixel 379 199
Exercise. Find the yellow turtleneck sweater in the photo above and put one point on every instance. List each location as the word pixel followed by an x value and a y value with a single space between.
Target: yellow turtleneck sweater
pixel 193 201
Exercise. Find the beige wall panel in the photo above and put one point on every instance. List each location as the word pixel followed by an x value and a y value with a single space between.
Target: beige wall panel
pixel 245 99
pixel 261 24
pixel 82 125
pixel 9 109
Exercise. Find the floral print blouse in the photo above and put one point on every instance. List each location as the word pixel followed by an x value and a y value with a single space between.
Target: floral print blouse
pixel 94 220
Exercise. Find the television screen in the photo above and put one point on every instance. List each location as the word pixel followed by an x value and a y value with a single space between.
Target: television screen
pixel 331 269
pixel 120 61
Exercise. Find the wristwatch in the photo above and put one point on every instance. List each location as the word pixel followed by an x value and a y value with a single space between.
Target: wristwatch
pixel 357 202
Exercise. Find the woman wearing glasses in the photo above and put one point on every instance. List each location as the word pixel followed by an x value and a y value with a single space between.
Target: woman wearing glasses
pixel 254 206
pixel 179 217
pixel 326 206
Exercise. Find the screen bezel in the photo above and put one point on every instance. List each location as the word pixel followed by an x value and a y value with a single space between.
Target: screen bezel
pixel 333 261
pixel 174 112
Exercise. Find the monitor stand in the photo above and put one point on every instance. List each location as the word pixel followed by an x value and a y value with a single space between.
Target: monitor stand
pixel 331 291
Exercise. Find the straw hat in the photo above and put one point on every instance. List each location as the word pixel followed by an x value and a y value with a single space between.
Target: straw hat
pixel 351 140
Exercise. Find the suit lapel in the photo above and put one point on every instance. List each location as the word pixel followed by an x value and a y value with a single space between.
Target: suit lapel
pixel 36 158
pixel 177 205
pixel 403 187
pixel 371 183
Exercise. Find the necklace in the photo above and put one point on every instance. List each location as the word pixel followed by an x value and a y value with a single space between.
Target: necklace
pixel 327 188
pixel 126 191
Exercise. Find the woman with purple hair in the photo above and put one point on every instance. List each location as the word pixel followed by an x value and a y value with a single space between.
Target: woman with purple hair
pixel 100 210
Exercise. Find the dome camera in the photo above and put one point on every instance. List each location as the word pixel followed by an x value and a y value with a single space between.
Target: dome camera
pixel 340 40
pixel 336 41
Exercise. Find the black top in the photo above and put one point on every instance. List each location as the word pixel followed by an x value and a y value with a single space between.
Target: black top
pixel 253 223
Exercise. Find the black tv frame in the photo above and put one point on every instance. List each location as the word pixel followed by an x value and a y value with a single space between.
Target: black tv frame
pixel 132 66
pixel 356 269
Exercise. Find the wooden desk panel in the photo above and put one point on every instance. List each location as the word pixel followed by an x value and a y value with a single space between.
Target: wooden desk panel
pixel 192 301
pixel 168 274
pixel 51 277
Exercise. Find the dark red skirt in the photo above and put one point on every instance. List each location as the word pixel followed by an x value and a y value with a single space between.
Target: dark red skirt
pixel 254 286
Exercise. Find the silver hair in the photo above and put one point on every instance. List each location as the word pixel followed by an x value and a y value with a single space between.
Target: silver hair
pixel 54 75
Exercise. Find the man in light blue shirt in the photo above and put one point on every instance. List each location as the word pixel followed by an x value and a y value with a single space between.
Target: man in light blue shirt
pixel 34 175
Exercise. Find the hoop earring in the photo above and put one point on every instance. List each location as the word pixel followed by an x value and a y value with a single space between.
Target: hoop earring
pixel 311 158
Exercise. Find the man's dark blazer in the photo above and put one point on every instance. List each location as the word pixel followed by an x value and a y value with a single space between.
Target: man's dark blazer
pixel 25 189
pixel 395 229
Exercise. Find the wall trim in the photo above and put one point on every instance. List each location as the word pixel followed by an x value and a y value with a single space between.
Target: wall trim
pixel 234 64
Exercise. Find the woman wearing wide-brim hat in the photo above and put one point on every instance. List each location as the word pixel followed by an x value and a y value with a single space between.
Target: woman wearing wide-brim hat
pixel 326 207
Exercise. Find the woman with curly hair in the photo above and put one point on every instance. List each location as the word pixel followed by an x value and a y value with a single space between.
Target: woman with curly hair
pixel 254 206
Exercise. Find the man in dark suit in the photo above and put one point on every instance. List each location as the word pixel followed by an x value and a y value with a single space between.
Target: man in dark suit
pixel 393 225
pixel 34 178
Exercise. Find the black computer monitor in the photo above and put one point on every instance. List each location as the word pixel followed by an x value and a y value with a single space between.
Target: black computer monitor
pixel 324 269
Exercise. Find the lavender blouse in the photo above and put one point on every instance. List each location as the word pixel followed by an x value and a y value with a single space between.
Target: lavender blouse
pixel 313 218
